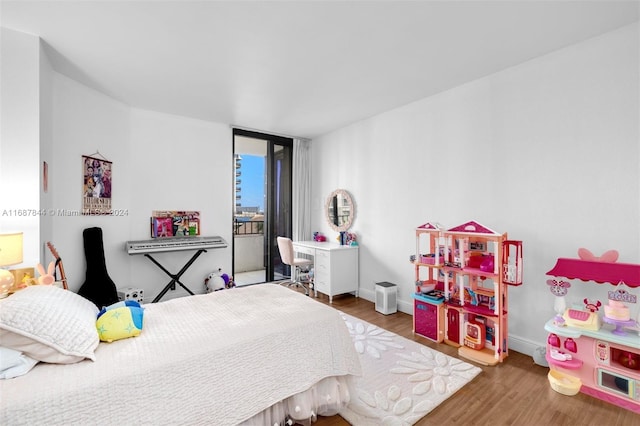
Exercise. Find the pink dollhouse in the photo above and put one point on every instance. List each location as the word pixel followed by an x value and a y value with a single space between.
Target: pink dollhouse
pixel 462 277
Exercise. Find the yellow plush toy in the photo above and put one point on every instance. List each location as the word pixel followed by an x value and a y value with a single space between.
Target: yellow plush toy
pixel 120 321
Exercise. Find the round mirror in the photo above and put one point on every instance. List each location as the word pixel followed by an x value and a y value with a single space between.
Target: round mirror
pixel 340 210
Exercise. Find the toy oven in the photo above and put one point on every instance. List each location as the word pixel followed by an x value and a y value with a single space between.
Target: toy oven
pixel 619 384
pixel 474 335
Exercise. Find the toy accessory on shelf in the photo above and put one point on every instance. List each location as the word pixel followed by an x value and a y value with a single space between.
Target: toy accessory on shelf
pixel 560 290
pixel 616 310
pixel 475 335
pixel 512 262
pixel 564 383
pixel 26 281
pixel 560 356
pixel 570 345
pixel 617 313
pixel 582 319
pixel 592 306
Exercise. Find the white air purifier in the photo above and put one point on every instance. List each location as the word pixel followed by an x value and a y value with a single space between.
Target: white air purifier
pixel 386 298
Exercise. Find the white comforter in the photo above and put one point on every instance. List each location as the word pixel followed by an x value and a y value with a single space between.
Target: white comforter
pixel 215 359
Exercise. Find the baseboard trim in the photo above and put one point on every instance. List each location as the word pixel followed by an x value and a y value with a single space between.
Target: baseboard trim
pixel 522 345
pixel 516 343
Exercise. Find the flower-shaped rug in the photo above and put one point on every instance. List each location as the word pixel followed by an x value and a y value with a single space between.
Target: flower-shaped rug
pixel 402 380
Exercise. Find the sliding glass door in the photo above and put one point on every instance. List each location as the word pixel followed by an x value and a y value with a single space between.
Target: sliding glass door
pixel 262 191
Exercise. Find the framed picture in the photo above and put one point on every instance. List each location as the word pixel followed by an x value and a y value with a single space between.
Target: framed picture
pixel 96 185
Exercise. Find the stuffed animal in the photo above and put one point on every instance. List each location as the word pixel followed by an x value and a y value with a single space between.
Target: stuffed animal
pixel 218 281
pixel 120 320
pixel 46 278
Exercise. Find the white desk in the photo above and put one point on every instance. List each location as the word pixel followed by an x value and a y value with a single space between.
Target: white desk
pixel 335 267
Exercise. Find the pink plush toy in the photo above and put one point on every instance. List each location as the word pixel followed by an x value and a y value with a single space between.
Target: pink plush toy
pixel 46 278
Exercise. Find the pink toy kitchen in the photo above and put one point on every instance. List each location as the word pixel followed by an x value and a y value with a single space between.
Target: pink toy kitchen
pixel 595 348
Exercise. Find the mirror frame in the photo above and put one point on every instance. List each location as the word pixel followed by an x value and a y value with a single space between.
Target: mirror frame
pixel 345 226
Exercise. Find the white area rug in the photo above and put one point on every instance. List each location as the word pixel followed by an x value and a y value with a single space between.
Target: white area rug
pixel 402 380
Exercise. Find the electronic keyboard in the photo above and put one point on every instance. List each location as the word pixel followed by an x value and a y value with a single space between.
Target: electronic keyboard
pixel 157 245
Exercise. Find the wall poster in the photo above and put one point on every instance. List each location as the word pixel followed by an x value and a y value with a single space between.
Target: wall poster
pixel 96 194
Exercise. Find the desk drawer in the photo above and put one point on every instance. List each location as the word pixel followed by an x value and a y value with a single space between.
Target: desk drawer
pixel 304 250
pixel 322 259
pixel 321 285
pixel 321 272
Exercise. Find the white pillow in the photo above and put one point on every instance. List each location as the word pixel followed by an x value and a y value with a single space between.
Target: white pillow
pixel 14 363
pixel 49 324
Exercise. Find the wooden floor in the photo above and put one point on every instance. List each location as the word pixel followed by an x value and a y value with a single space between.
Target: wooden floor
pixel 515 392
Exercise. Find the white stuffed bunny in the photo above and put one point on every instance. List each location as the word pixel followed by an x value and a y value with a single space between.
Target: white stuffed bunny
pixel 46 278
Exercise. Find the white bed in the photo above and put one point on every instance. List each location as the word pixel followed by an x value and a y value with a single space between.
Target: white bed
pixel 252 355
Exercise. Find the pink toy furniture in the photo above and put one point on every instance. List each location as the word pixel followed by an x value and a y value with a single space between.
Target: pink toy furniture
pixel 604 360
pixel 462 276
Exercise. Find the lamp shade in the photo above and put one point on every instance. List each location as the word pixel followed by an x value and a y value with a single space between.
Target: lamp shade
pixel 10 249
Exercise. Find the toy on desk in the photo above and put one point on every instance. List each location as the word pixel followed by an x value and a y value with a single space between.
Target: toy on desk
pixel 347 238
pixel 120 321
pixel 318 237
pixel 46 278
pixel 560 290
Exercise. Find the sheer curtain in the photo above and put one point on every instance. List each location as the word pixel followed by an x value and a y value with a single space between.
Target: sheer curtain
pixel 301 215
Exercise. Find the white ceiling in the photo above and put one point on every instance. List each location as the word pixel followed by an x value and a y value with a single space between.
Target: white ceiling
pixel 299 68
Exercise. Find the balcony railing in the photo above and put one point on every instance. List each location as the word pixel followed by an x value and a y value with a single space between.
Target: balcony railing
pixel 252 227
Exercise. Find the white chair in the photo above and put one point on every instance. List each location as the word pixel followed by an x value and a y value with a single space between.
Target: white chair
pixel 287 255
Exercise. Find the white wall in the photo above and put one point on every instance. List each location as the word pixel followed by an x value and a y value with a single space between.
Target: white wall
pixel 547 151
pixel 178 163
pixel 19 140
pixel 87 121
pixel 46 149
pixel 160 162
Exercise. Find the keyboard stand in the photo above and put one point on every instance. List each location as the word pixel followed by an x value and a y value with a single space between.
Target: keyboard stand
pixel 175 278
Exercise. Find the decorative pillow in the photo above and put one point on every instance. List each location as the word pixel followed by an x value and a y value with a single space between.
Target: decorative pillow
pixel 49 324
pixel 120 320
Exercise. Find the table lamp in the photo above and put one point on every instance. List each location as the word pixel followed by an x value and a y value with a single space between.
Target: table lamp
pixel 10 254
